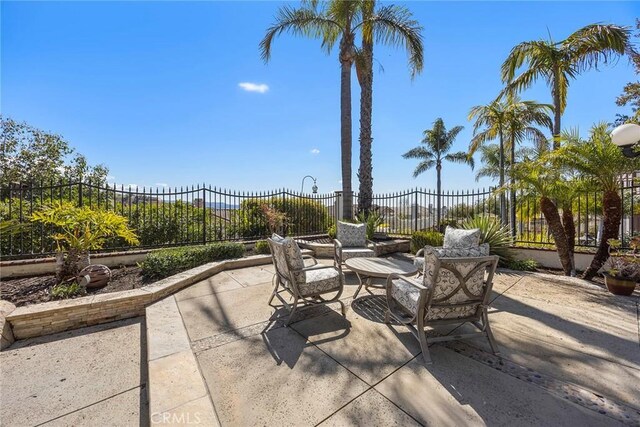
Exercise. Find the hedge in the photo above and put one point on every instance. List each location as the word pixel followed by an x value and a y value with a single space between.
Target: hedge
pixel 166 262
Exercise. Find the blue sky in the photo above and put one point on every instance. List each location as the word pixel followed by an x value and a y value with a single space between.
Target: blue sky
pixel 152 89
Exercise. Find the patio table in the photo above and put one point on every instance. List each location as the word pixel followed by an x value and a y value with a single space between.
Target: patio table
pixel 367 268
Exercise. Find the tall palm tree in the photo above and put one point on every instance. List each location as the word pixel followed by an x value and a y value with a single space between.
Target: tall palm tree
pixel 437 143
pixel 560 62
pixel 522 117
pixel 492 119
pixel 490 159
pixel 391 25
pixel 600 162
pixel 336 21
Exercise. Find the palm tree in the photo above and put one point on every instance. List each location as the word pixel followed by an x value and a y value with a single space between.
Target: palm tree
pixel 511 121
pixel 599 162
pixel 338 20
pixel 490 159
pixel 391 25
pixel 522 117
pixel 560 62
pixel 493 118
pixel 437 144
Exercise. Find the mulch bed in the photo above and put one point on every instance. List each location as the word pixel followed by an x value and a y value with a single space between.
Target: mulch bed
pixel 33 290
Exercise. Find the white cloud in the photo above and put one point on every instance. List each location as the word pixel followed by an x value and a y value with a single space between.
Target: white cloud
pixel 111 178
pixel 162 184
pixel 254 87
pixel 315 151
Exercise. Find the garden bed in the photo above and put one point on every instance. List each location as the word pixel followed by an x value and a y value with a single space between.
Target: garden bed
pixel 32 290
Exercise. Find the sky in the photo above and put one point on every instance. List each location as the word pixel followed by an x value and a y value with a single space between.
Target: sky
pixel 175 93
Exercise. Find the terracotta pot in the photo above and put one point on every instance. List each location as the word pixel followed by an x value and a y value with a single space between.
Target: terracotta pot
pixel 619 286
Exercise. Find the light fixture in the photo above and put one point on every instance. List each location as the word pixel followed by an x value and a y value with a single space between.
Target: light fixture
pixel 314 189
pixel 626 137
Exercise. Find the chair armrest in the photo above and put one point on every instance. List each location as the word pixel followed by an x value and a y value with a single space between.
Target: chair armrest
pixel 413 282
pixel 420 253
pixel 311 267
pixel 337 244
pixel 337 254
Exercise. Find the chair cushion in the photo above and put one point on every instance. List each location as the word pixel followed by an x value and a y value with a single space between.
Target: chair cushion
pixel 279 258
pixel 459 238
pixel 352 235
pixel 405 294
pixel 294 256
pixel 320 281
pixel 277 238
pixel 356 252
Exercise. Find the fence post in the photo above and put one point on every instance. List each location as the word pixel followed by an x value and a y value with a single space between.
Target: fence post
pixel 204 215
pixel 415 211
pixel 79 194
pixel 338 206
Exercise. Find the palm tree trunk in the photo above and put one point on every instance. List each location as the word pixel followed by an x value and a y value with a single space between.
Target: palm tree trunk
pixel 346 60
pixel 570 231
pixel 365 172
pixel 557 114
pixel 551 215
pixel 503 210
pixel 438 194
pixel 513 191
pixel 612 214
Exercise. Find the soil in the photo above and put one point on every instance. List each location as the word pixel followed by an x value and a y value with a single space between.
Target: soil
pixel 33 290
pixel 597 280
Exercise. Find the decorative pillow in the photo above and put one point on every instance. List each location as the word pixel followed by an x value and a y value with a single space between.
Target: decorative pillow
pixel 294 256
pixel 459 238
pixel 351 235
pixel 277 238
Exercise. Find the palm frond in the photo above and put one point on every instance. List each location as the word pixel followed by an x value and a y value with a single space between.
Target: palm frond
pixel 596 43
pixel 423 166
pixel 460 157
pixel 418 153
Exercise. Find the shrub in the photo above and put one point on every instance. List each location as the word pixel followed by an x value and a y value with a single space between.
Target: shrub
pixel 373 221
pixel 262 247
pixel 420 239
pixel 67 290
pixel 494 233
pixel 332 231
pixel 166 262
pixel 522 264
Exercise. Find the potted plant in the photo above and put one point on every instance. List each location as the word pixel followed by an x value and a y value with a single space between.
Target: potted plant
pixel 79 230
pixel 623 269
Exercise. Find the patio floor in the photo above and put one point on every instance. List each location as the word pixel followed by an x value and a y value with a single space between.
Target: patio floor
pixel 570 356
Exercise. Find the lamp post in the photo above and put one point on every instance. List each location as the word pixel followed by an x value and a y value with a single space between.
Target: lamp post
pixel 626 137
pixel 314 189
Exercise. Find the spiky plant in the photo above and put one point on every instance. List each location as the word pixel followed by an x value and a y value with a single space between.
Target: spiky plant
pixel 494 233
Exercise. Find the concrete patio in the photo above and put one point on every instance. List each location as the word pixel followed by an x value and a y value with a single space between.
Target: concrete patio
pixel 570 356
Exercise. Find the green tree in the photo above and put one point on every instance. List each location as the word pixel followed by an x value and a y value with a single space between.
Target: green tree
pixel 390 25
pixel 560 62
pixel 32 155
pixel 437 143
pixel 599 162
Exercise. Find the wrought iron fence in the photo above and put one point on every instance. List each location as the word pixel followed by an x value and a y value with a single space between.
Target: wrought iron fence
pixel 202 214
pixel 165 217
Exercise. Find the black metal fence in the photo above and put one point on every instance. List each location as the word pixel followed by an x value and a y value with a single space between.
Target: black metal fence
pixel 202 214
pixel 164 216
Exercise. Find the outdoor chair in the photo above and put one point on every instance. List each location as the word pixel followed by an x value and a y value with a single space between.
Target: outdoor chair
pixel 307 286
pixel 350 242
pixel 452 290
pixel 481 250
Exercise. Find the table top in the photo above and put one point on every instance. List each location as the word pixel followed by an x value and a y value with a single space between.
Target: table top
pixel 380 267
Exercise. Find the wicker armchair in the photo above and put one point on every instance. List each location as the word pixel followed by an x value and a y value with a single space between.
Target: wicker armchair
pixel 452 290
pixel 350 242
pixel 307 285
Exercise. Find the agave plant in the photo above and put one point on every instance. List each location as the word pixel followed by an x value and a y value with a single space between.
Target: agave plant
pixel 494 233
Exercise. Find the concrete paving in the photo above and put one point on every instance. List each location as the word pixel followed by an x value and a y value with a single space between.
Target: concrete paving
pixel 570 355
pixel 89 376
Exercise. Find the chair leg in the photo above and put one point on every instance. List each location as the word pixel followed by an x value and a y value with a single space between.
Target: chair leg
pixel 293 310
pixel 422 337
pixel 487 330
pixel 343 309
pixel 359 287
pixel 275 290
pixel 387 316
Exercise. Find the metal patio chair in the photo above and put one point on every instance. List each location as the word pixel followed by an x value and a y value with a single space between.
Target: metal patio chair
pixel 307 286
pixel 452 290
